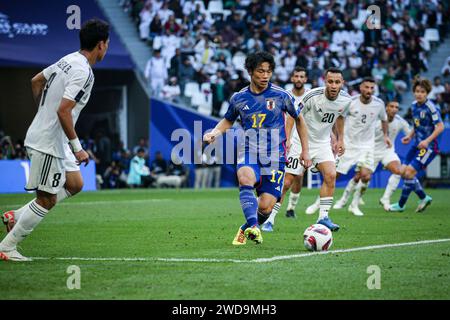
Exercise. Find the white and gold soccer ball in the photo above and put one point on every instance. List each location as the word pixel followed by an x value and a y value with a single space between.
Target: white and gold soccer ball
pixel 317 237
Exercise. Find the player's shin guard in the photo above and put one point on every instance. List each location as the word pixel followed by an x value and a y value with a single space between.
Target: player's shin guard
pixel 293 199
pixel 408 187
pixel 31 217
pixel 262 217
pixel 418 189
pixel 60 196
pixel 249 204
pixel 351 185
pixel 325 206
pixel 273 214
pixel 392 185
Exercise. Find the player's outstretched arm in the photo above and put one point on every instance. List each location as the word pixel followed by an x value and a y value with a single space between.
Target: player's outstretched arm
pixel 289 125
pixel 302 131
pixel 339 131
pixel 438 129
pixel 387 141
pixel 65 118
pixel 220 128
pixel 37 86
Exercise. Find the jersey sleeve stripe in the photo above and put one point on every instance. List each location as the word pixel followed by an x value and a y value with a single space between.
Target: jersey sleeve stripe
pixel 306 98
pixel 313 92
pixel 431 107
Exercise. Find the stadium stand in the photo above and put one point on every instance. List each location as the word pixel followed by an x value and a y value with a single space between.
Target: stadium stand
pixel 216 36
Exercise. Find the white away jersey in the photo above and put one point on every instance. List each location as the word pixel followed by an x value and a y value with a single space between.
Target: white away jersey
pixel 320 113
pixel 70 78
pixel 294 134
pixel 359 130
pixel 394 127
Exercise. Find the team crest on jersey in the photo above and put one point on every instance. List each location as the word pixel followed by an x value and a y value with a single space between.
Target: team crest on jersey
pixel 270 104
pixel 422 114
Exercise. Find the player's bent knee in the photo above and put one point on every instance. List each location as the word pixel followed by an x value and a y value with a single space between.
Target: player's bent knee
pixel 366 178
pixel 265 208
pixel 74 182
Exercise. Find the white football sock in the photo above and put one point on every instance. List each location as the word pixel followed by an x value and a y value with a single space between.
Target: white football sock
pixel 293 199
pixel 359 191
pixel 60 196
pixel 273 214
pixel 18 212
pixel 348 190
pixel 392 185
pixel 31 216
pixel 324 206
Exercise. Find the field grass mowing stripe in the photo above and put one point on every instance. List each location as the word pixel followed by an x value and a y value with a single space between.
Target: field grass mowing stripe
pixel 258 260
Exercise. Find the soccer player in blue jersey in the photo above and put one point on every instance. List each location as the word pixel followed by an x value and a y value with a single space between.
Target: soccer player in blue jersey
pixel 261 107
pixel 428 126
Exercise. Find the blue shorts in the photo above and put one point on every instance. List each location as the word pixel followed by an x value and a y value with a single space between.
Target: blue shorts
pixel 268 179
pixel 419 159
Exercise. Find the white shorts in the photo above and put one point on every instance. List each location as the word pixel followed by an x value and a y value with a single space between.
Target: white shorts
pixel 362 158
pixel 47 173
pixel 318 154
pixel 386 157
pixel 70 162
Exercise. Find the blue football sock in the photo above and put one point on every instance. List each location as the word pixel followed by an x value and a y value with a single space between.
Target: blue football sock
pixel 419 190
pixel 408 187
pixel 249 204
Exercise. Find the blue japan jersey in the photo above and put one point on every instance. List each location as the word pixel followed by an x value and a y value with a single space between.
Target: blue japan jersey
pixel 263 115
pixel 425 117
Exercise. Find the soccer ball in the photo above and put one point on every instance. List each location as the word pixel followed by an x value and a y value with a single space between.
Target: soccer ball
pixel 317 237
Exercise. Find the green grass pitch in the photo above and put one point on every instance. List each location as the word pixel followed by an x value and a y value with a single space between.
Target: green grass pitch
pixel 201 224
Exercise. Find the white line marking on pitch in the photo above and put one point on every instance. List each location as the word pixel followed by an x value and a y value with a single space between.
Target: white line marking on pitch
pixel 94 203
pixel 258 260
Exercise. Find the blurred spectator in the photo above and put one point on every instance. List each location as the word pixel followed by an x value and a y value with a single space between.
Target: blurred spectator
pixel 172 91
pixel 156 73
pixel 187 73
pixel 219 92
pixel 436 90
pixel 139 174
pixel 176 176
pixel 103 152
pixel 142 144
pixel 7 147
pixel 146 17
pixel 112 176
pixel 175 63
pixel 214 170
pixel 158 166
pixel 156 27
pixel 201 169
pixel 165 13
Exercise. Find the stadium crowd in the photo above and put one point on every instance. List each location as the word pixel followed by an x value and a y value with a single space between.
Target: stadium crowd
pixel 205 42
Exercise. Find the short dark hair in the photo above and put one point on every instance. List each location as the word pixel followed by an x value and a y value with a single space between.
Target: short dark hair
pixel 299 69
pixel 139 150
pixel 253 60
pixel 368 79
pixel 334 70
pixel 422 82
pixel 92 32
